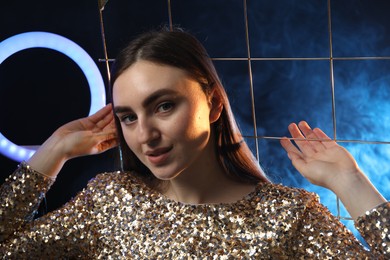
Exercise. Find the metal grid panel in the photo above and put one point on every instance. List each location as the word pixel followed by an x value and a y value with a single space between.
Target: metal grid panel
pixel 249 59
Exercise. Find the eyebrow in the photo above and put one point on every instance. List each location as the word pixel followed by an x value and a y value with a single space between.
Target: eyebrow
pixel 150 99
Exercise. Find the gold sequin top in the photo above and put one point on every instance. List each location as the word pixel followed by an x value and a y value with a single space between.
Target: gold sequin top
pixel 118 217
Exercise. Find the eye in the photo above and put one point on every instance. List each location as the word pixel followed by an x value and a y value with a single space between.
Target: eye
pixel 128 119
pixel 165 107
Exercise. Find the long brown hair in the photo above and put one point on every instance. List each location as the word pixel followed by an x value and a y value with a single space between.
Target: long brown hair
pixel 182 50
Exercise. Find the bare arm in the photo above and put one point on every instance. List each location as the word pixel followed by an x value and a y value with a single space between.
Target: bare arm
pixel 85 136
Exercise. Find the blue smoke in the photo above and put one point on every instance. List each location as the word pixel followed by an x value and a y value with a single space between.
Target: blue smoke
pixel 287 90
pixel 293 90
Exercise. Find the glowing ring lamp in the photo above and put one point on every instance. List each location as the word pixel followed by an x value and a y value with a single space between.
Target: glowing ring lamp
pixel 61 44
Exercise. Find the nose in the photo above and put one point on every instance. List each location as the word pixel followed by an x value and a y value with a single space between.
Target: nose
pixel 147 132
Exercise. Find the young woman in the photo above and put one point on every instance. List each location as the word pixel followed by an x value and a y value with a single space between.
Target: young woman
pixel 190 188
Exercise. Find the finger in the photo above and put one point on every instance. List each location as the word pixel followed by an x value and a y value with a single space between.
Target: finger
pixel 298 162
pixel 321 135
pixel 108 144
pixel 111 124
pixel 105 142
pixel 103 135
pixel 288 146
pixel 310 134
pixel 304 146
pixel 106 121
pixel 101 114
pixel 317 133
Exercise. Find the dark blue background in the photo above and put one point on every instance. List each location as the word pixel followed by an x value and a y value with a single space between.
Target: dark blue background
pixel 41 89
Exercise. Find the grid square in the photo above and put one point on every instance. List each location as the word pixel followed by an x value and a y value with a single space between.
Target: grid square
pixel 219 25
pixel 288 28
pixel 360 28
pixel 291 91
pixel 362 94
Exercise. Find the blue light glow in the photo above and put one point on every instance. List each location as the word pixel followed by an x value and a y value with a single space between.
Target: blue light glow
pixel 61 44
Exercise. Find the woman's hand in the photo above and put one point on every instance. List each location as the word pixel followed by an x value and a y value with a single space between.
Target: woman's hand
pixel 325 163
pixel 90 135
pixel 322 161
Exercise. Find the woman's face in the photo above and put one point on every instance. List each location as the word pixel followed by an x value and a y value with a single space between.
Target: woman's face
pixel 165 117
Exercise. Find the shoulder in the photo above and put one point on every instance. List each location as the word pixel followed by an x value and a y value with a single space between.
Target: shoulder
pixel 116 180
pixel 108 176
pixel 278 190
pixel 285 195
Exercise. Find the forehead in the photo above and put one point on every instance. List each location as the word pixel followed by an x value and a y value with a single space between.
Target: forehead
pixel 144 78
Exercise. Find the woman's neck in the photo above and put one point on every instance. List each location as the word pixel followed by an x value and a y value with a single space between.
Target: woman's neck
pixel 206 183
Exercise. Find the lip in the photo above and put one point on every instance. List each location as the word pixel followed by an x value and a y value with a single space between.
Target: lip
pixel 158 156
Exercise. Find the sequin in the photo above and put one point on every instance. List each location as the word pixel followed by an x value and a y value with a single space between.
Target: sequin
pixel 118 217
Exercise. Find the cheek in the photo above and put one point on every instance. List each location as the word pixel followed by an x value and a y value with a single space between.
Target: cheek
pixel 193 124
pixel 201 119
pixel 130 140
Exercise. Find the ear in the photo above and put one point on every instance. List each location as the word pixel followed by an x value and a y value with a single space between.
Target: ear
pixel 216 106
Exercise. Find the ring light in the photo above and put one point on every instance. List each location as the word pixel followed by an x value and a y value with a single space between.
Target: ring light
pixel 61 44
